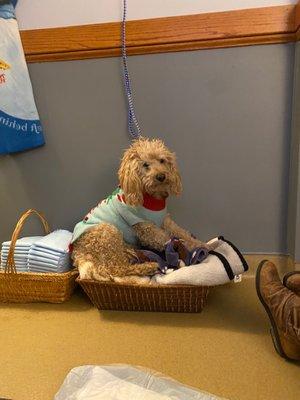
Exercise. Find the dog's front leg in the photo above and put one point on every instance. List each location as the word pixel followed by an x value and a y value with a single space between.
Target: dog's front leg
pixel 175 230
pixel 151 235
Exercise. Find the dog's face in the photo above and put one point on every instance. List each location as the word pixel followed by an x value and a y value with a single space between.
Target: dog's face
pixel 148 166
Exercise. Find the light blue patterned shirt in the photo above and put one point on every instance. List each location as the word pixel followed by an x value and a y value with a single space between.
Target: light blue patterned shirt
pixel 115 211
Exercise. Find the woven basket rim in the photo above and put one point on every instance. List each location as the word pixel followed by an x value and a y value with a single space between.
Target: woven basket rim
pixel 156 286
pixel 44 274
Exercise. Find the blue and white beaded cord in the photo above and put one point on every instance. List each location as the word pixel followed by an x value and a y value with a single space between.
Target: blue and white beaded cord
pixel 133 124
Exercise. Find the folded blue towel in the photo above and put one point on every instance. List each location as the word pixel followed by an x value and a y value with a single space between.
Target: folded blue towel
pixel 50 263
pixel 51 253
pixel 45 260
pixel 19 268
pixel 25 242
pixel 16 254
pixel 17 248
pixel 16 258
pixel 20 258
pixel 58 241
pixel 48 253
pixel 38 268
pixel 21 253
pixel 51 256
pixel 17 264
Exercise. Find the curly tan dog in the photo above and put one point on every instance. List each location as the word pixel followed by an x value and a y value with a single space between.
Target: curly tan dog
pixel 135 214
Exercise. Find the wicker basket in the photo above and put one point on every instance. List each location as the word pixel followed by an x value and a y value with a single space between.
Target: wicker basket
pixel 166 298
pixel 27 287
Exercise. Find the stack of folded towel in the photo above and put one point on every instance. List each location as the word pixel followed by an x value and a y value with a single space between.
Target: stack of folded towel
pixel 22 248
pixel 51 253
pixel 48 253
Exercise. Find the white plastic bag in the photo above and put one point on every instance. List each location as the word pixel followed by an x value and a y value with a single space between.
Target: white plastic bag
pixel 124 382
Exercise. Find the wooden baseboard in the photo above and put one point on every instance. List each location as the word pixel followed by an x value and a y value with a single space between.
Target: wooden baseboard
pixel 297 21
pixel 190 32
pixel 297 16
pixel 284 263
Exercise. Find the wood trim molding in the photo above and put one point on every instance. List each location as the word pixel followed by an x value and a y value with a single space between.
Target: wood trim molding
pixel 297 21
pixel 191 32
pixel 283 263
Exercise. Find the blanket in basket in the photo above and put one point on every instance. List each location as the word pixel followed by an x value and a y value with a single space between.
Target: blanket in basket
pixel 20 127
pixel 220 266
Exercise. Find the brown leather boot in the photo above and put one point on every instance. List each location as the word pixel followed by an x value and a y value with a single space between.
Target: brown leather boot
pixel 292 281
pixel 283 309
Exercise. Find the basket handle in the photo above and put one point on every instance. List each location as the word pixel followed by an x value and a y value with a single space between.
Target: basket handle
pixel 10 266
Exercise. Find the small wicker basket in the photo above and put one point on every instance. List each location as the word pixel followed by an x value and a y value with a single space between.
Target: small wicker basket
pixel 28 287
pixel 166 298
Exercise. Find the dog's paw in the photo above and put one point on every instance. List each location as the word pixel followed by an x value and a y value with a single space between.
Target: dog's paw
pixel 152 268
pixel 85 269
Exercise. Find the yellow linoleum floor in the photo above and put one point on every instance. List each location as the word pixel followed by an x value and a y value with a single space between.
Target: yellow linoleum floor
pixel 225 350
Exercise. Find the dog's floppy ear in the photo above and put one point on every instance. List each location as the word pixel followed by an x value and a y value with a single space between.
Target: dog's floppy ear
pixel 176 185
pixel 129 178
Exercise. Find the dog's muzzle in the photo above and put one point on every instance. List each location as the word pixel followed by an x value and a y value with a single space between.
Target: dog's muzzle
pixel 160 177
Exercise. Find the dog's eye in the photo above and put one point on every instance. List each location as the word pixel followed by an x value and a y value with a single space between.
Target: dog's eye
pixel 162 160
pixel 146 165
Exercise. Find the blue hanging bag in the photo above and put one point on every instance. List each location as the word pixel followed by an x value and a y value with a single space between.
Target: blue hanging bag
pixel 20 127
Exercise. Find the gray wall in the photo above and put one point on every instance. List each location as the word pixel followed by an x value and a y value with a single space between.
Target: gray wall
pixel 225 112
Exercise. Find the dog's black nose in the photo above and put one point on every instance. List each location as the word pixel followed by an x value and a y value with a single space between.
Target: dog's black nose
pixel 160 177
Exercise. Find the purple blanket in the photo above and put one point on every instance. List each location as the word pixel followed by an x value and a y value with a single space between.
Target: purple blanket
pixel 174 255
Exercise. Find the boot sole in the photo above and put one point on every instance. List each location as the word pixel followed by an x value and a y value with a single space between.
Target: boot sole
pixel 274 331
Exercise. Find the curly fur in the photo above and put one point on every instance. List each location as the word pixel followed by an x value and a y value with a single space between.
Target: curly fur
pixel 151 235
pixel 135 179
pixel 101 253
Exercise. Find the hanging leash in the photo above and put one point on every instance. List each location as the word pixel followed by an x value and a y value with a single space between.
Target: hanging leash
pixel 133 124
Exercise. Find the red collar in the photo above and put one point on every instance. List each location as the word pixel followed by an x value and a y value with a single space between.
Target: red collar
pixel 151 203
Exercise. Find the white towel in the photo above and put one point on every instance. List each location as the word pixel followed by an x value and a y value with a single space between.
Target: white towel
pixel 221 266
